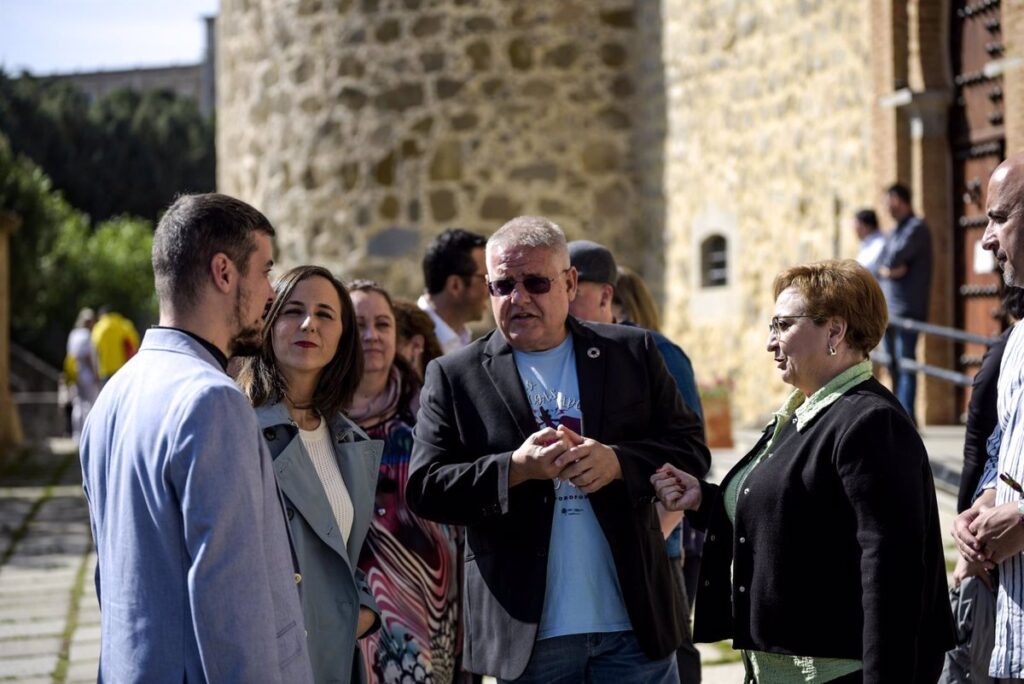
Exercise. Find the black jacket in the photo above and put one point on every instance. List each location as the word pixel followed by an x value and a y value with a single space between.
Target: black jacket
pixel 836 551
pixel 474 414
pixel 981 421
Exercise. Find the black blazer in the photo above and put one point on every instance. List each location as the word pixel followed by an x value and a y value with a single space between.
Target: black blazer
pixel 836 550
pixel 474 414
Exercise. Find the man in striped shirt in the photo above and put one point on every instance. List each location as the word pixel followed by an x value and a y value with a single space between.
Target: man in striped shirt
pixel 990 534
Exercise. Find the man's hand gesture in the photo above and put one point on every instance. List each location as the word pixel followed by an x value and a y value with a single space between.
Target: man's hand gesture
pixel 587 464
pixel 535 458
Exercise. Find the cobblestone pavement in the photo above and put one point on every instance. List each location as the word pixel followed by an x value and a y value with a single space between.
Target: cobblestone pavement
pixel 49 618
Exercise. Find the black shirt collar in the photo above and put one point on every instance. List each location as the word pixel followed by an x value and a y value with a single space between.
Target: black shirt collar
pixel 210 347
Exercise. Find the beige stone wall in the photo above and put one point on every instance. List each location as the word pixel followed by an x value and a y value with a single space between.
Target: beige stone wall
pixel 769 143
pixel 1013 76
pixel 363 127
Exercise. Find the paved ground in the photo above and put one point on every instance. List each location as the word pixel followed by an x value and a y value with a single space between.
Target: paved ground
pixel 49 620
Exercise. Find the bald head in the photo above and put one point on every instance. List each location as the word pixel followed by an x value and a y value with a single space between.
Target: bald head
pixel 1004 205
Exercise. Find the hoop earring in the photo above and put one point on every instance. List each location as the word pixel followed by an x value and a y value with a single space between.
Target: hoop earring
pixel 831 350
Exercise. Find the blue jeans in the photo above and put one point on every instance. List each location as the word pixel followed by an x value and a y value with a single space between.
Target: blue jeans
pixel 602 658
pixel 902 344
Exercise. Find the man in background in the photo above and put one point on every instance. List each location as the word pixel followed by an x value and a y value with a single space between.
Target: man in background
pixel 454 274
pixel 872 242
pixel 116 341
pixel 595 293
pixel 905 274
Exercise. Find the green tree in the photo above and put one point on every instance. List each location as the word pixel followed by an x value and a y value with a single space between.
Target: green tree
pixel 60 264
pixel 126 153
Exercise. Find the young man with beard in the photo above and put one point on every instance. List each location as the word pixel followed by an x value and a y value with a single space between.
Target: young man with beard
pixel 195 576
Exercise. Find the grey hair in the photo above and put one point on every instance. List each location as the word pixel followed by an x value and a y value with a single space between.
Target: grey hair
pixel 532 232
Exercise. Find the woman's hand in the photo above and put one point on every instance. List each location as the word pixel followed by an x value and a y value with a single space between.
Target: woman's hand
pixel 367 618
pixel 677 491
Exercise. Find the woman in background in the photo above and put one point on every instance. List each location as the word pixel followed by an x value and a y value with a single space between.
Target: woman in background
pixel 411 564
pixel 417 342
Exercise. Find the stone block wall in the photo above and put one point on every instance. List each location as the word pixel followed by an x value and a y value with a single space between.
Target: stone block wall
pixel 768 145
pixel 363 127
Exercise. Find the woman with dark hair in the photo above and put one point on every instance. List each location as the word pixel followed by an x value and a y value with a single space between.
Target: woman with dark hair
pixel 411 564
pixel 417 342
pixel 308 368
pixel 823 559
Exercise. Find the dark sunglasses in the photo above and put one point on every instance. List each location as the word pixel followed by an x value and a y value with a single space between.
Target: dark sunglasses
pixel 534 284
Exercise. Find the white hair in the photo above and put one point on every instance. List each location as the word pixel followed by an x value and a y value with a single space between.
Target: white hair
pixel 533 232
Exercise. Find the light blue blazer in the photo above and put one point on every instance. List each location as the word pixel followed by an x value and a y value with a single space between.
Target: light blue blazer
pixel 195 576
pixel 333 587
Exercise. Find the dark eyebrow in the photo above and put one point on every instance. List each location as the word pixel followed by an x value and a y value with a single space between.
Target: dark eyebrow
pixel 322 305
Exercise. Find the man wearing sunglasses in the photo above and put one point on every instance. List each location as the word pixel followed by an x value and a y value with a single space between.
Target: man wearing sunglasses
pixel 540 438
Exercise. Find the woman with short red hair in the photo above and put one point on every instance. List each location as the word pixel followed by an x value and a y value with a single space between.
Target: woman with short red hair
pixel 823 560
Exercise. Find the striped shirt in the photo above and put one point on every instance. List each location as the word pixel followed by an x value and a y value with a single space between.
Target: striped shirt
pixel 1008 653
pixel 318 445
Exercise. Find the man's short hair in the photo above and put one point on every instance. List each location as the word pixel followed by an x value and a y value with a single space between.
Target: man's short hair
pixel 191 232
pixel 900 190
pixel 450 253
pixel 534 232
pixel 868 217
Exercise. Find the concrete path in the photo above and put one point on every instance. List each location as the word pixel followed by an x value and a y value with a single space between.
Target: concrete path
pixel 49 619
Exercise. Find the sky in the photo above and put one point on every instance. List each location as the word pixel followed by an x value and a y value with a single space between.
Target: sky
pixel 54 36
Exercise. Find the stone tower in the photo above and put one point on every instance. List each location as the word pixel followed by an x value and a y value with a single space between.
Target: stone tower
pixel 363 127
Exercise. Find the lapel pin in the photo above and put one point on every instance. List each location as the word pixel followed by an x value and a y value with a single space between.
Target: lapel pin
pixel 593 352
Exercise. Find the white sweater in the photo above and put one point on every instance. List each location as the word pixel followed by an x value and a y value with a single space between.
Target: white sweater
pixel 321 453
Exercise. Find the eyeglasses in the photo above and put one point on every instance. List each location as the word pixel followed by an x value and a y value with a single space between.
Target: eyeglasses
pixel 775 327
pixel 534 284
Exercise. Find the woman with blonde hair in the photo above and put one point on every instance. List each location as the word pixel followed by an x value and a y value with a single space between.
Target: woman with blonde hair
pixel 633 301
pixel 823 559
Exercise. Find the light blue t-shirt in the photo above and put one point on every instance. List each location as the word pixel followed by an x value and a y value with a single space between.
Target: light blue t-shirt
pixel 583 594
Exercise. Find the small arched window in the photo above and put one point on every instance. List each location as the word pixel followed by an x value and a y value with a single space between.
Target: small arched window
pixel 714 271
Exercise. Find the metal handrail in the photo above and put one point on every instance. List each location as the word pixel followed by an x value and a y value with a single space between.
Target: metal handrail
pixel 961 379
pixel 941 331
pixel 934 371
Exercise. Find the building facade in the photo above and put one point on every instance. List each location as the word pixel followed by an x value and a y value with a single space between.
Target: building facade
pixel 709 143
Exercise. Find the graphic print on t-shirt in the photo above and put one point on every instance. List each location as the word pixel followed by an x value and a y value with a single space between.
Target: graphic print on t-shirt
pixel 552 408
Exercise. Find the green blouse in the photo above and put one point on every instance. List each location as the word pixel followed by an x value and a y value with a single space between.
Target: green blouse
pixel 776 668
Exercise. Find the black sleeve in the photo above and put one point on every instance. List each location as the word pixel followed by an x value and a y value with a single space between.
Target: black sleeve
pixel 881 464
pixel 675 434
pixel 981 421
pixel 446 485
